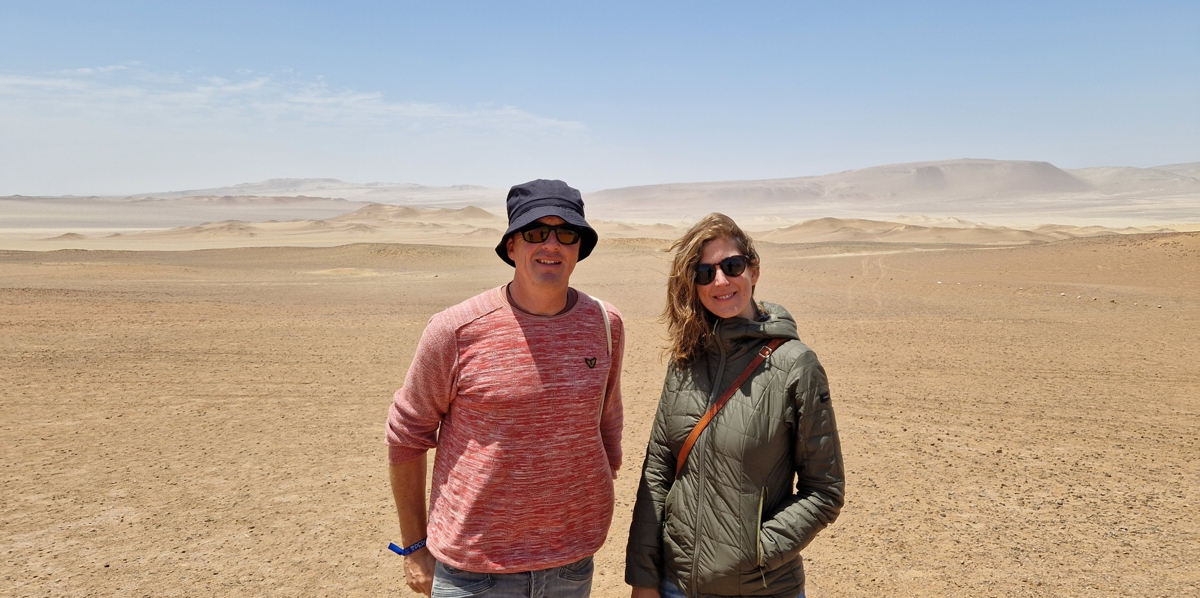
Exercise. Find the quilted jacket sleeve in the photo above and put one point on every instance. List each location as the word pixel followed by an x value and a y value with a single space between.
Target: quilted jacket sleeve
pixel 643 556
pixel 820 487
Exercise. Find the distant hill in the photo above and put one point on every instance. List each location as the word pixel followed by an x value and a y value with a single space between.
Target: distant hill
pixel 389 193
pixel 996 190
pixel 945 194
pixel 1191 169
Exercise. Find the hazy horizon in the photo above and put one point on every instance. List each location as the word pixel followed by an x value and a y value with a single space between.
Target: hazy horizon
pixel 160 193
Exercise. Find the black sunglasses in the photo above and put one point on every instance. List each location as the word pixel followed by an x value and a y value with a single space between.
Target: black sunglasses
pixel 538 233
pixel 732 266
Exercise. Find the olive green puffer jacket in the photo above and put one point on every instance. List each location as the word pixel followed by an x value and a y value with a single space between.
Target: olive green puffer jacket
pixel 731 523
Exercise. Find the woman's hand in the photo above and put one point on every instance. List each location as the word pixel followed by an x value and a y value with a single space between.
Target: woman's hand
pixel 644 593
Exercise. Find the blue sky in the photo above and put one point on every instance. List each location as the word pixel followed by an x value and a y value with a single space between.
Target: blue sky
pixel 123 97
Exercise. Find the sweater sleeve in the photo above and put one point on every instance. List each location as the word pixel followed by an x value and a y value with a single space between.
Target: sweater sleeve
pixel 820 484
pixel 419 406
pixel 612 418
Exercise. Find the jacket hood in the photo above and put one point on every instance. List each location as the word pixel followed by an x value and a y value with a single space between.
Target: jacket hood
pixel 732 334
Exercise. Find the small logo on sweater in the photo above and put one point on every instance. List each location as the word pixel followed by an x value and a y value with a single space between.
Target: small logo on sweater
pixel 590 361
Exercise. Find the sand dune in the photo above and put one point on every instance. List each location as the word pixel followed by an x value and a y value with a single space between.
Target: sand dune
pixel 478 228
pixel 944 222
pixel 861 231
pixel 385 213
pixel 92 214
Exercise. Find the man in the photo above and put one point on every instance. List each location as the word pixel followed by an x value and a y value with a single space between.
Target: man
pixel 518 388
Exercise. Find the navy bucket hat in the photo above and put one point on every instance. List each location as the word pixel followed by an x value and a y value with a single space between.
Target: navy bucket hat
pixel 538 199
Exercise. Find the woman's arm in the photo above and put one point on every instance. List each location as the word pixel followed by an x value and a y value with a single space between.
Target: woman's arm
pixel 820 487
pixel 643 556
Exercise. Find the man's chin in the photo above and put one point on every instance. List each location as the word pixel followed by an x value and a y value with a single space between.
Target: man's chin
pixel 551 276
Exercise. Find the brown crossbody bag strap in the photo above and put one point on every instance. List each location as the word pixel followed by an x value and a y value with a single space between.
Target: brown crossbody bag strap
pixel 763 354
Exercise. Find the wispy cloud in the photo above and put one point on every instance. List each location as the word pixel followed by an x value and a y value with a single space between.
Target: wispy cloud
pixel 120 89
pixel 95 70
pixel 70 130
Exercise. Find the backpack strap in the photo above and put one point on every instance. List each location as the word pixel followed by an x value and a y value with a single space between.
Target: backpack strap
pixel 608 336
pixel 607 324
pixel 763 354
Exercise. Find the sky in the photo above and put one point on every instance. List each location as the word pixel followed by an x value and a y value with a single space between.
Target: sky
pixel 126 97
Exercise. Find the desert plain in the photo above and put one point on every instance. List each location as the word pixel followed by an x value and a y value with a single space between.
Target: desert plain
pixel 1018 418
pixel 1017 421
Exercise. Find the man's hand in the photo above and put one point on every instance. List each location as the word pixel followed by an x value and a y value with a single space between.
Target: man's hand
pixel 644 593
pixel 418 571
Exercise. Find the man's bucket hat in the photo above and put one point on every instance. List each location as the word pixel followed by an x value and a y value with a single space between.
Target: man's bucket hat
pixel 531 201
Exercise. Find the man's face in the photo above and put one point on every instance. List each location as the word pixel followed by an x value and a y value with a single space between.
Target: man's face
pixel 546 264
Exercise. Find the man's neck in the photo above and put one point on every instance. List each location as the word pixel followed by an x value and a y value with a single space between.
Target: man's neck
pixel 538 301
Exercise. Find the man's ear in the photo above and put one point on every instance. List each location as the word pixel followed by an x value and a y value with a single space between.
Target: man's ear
pixel 509 246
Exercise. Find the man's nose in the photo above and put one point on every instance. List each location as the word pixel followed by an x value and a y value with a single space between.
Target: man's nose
pixel 552 240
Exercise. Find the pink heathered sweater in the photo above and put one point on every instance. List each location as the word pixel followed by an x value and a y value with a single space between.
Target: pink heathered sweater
pixel 522 477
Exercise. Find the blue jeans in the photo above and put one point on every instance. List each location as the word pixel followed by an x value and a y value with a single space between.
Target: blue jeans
pixel 668 589
pixel 569 581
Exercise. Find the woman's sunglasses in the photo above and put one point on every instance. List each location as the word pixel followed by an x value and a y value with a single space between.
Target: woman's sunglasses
pixel 732 266
pixel 538 233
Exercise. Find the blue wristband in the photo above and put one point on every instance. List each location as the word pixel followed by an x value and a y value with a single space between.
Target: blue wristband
pixel 407 551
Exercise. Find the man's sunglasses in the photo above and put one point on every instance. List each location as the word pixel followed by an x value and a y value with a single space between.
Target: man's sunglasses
pixel 732 266
pixel 538 233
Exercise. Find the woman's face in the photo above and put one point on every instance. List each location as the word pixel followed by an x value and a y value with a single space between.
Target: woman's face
pixel 726 296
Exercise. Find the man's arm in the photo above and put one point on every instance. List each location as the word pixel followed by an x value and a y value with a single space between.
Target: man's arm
pixel 413 422
pixel 408 490
pixel 612 418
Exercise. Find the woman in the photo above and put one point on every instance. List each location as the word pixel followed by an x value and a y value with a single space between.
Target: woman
pixel 728 521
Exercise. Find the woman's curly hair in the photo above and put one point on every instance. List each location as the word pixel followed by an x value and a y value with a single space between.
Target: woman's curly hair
pixel 688 321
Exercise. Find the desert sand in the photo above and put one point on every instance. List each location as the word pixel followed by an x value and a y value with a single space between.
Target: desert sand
pixel 194 383
pixel 1016 420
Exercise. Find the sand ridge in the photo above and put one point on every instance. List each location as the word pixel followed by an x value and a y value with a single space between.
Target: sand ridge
pixel 474 226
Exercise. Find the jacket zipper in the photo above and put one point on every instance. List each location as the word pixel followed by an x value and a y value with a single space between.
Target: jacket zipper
pixel 762 497
pixel 712 396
